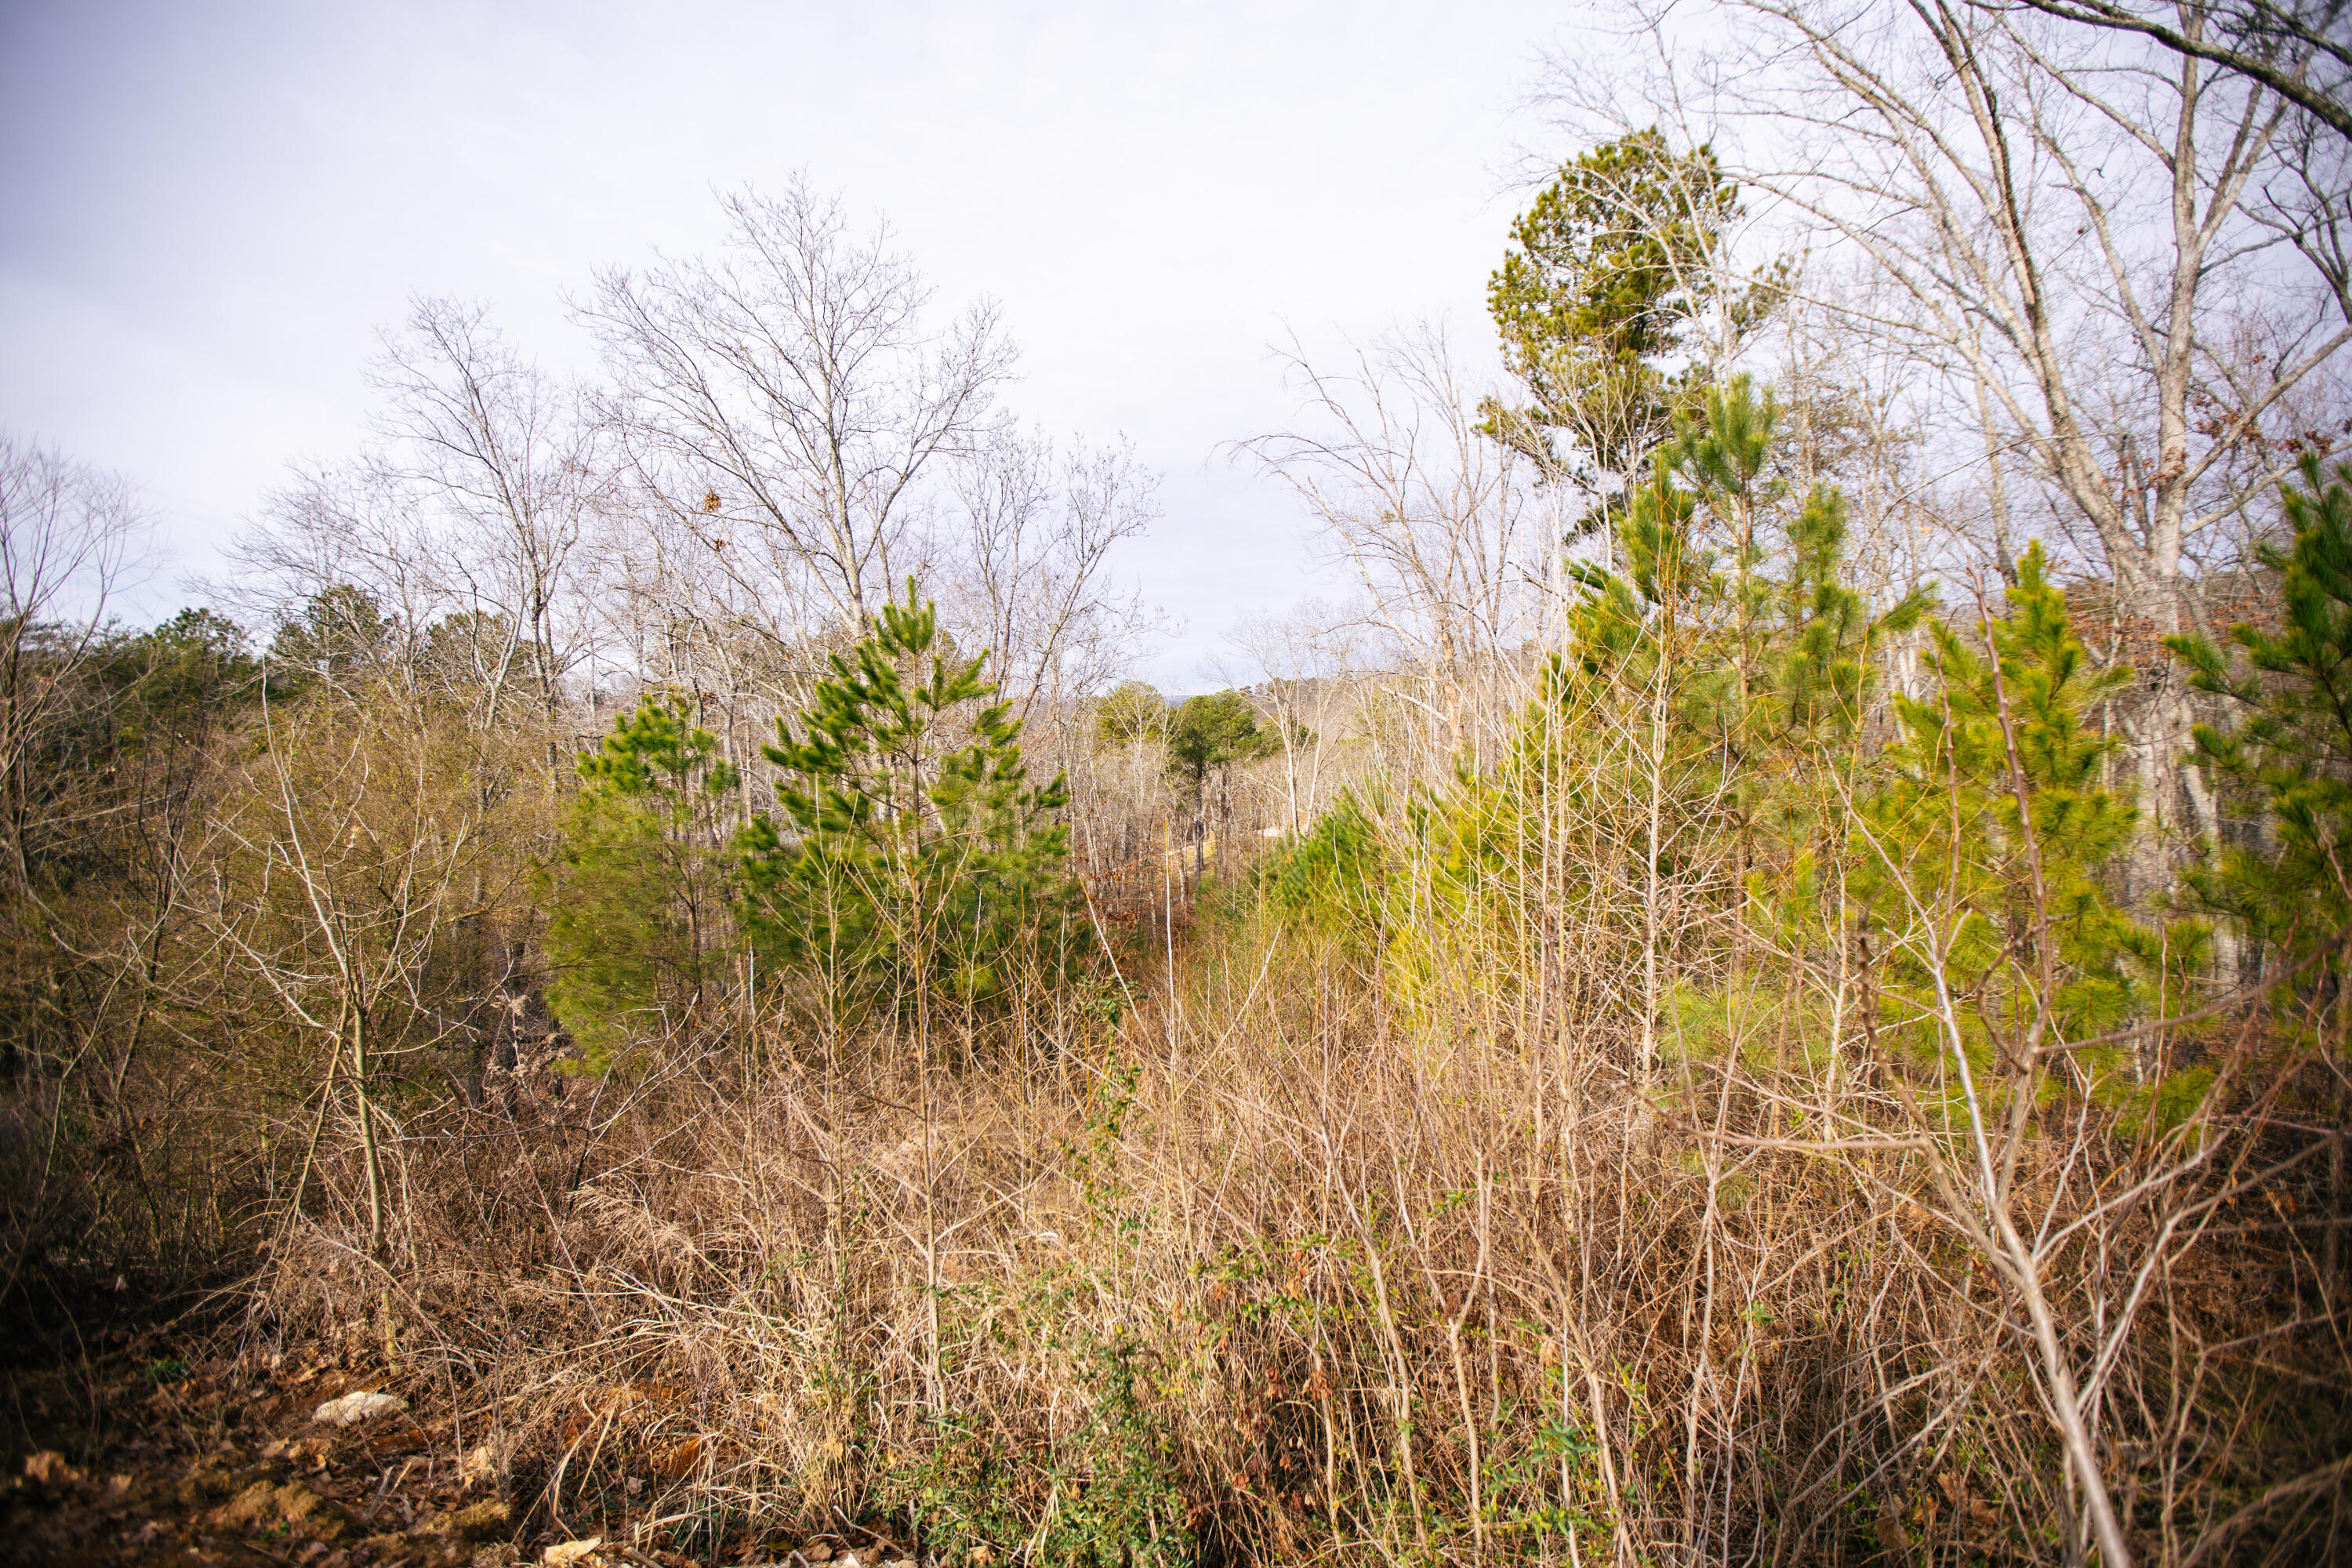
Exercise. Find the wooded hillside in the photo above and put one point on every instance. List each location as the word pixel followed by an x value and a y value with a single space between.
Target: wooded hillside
pixel 1767 983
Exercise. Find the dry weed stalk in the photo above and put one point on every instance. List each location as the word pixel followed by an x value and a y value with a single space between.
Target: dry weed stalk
pixel 1338 1281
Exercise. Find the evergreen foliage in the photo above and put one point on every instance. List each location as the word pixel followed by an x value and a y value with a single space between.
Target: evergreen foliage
pixel 1707 692
pixel 1604 275
pixel 338 630
pixel 2289 748
pixel 1132 713
pixel 1213 732
pixel 1605 278
pixel 912 855
pixel 636 901
pixel 1208 734
pixel 1978 860
pixel 181 678
pixel 1332 879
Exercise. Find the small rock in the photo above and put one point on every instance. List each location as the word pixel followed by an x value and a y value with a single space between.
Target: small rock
pixel 353 1408
pixel 565 1554
pixel 48 1468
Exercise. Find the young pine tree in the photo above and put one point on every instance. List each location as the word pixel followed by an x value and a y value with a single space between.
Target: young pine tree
pixel 2289 751
pixel 1205 737
pixel 911 860
pixel 636 901
pixel 1980 862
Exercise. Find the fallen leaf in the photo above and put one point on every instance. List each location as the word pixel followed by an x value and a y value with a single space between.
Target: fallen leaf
pixel 477 1465
pixel 681 1459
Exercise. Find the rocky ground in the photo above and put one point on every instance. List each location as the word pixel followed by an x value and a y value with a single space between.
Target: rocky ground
pixel 151 1450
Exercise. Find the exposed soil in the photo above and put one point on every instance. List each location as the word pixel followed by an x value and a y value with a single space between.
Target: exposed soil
pixel 157 1448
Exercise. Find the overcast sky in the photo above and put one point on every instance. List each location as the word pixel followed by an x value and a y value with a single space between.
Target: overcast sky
pixel 214 206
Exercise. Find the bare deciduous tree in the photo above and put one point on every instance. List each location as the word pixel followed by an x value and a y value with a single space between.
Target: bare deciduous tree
pixel 1035 556
pixel 71 539
pixel 1429 515
pixel 1304 665
pixel 2299 50
pixel 351 854
pixel 785 401
pixel 508 474
pixel 467 522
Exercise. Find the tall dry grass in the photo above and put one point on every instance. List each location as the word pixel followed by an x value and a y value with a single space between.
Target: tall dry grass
pixel 1268 1269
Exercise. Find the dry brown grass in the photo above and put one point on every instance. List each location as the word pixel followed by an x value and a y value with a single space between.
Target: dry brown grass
pixel 1262 1274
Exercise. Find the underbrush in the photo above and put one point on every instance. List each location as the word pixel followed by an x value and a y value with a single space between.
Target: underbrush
pixel 1261 1273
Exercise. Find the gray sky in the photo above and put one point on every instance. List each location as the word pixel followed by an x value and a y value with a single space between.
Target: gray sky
pixel 215 207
